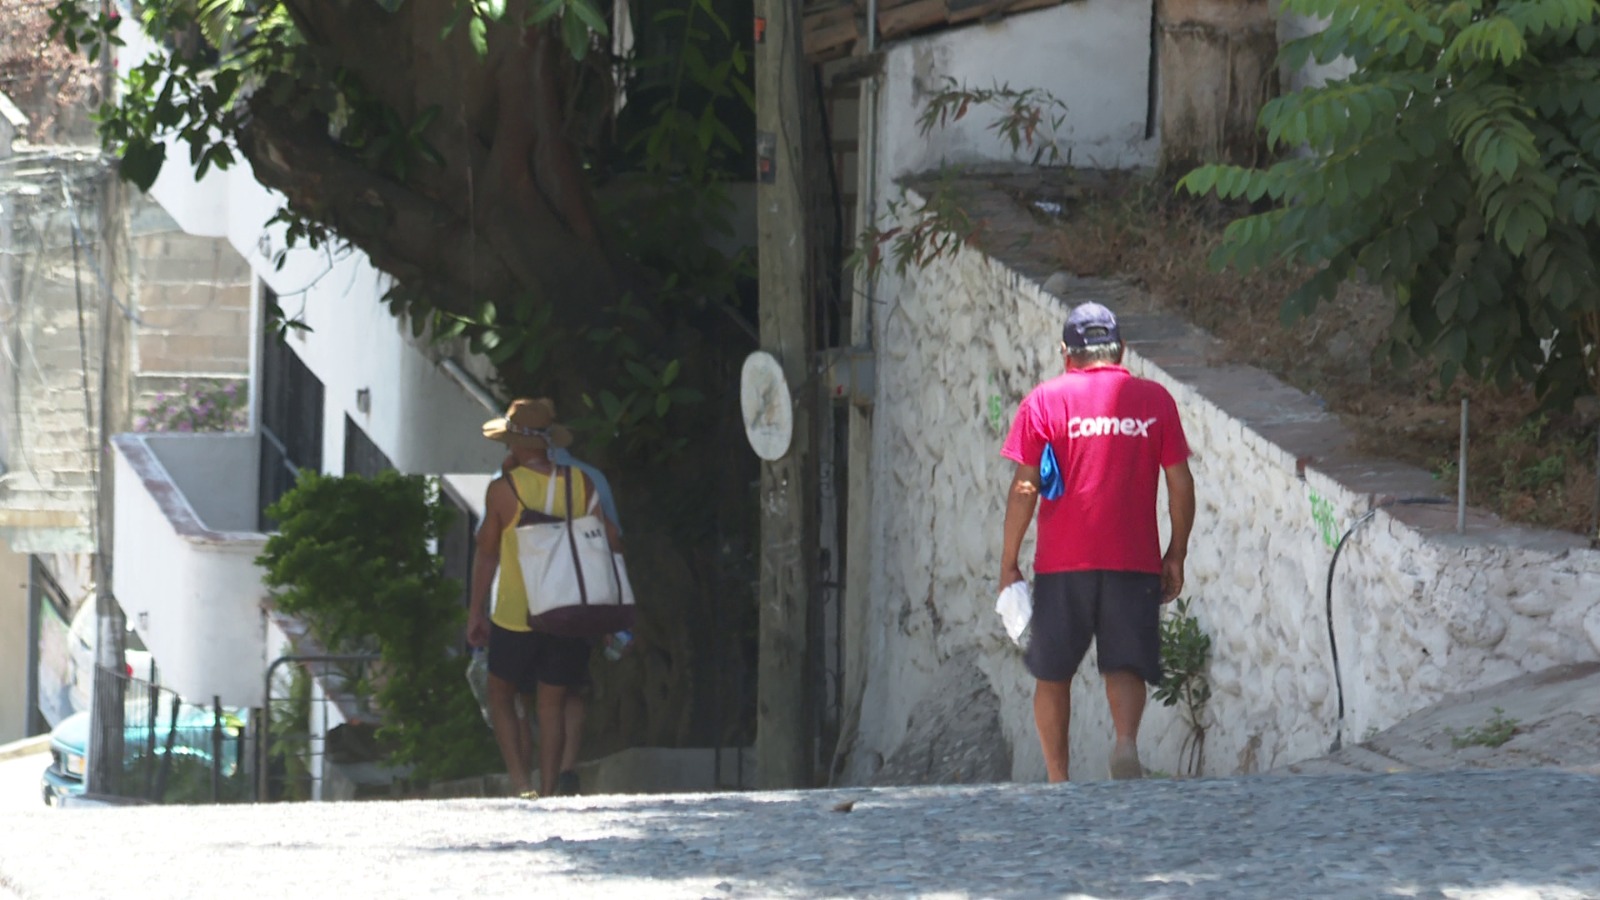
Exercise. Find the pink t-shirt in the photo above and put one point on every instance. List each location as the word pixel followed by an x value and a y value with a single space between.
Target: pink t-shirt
pixel 1112 434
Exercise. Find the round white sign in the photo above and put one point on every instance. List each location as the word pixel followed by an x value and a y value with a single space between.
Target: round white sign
pixel 768 411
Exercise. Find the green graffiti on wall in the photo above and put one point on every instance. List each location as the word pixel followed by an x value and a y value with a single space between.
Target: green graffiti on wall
pixel 1322 514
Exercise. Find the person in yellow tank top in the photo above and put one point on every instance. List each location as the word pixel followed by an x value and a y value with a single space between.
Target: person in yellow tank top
pixel 546 671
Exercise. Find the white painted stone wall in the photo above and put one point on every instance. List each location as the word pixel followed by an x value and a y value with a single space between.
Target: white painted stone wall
pixel 1419 611
pixel 1092 55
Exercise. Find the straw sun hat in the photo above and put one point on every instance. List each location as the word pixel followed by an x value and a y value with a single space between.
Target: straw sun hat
pixel 528 423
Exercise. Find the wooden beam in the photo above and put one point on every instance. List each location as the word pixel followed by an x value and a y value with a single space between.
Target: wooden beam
pixel 831 32
pixel 913 16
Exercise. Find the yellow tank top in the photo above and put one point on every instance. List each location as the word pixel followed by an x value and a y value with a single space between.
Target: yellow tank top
pixel 511 597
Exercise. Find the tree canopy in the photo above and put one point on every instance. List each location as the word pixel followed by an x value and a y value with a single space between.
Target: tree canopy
pixel 1457 166
pixel 464 146
pixel 547 180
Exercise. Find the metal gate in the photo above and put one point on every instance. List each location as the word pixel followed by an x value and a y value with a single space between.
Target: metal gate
pixel 304 695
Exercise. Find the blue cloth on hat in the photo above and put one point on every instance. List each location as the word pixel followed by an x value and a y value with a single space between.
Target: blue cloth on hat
pixel 1051 486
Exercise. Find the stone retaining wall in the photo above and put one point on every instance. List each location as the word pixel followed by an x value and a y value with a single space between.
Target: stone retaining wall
pixel 1419 611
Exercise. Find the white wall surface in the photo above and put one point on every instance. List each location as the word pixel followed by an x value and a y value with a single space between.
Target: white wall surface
pixel 1092 55
pixel 13 644
pixel 419 417
pixel 192 593
pixel 217 474
pixel 1419 611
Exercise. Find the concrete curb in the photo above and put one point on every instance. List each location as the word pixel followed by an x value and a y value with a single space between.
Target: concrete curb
pixel 25 747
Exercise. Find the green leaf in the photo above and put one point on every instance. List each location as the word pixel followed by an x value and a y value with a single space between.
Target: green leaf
pixel 478 34
pixel 141 163
pixel 575 36
pixel 493 10
pixel 638 370
pixel 590 15
pixel 669 374
pixel 1303 301
pixel 1200 181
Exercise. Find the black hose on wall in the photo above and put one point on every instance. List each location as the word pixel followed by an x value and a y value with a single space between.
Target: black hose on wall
pixel 1333 643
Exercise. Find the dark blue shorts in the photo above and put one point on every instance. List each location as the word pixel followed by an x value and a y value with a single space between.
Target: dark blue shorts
pixel 528 659
pixel 1119 611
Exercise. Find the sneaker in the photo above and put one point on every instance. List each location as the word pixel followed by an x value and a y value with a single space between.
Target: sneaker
pixel 1125 764
pixel 567 784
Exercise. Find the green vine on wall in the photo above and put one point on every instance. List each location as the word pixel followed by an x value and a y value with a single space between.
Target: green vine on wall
pixel 351 560
pixel 1185 658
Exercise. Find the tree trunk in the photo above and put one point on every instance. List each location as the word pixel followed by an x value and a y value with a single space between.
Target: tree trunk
pixel 1218 66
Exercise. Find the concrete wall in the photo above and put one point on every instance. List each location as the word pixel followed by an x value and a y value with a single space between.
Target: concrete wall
pixel 215 473
pixel 417 416
pixel 13 645
pixel 194 306
pixel 1419 611
pixel 191 591
pixel 1093 55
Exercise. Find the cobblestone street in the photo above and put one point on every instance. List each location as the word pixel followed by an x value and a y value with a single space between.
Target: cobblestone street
pixel 1513 834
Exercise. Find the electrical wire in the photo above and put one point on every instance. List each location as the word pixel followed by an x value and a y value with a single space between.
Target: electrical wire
pixel 1333 643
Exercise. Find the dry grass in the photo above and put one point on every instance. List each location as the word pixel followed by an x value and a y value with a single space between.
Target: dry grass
pixel 1524 463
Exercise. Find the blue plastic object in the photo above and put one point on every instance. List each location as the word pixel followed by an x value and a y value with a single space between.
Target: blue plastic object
pixel 1050 483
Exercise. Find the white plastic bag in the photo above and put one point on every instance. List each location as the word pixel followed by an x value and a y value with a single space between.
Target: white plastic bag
pixel 478 677
pixel 1015 607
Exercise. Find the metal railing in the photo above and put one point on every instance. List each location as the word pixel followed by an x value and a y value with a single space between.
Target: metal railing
pixel 173 751
pixel 307 697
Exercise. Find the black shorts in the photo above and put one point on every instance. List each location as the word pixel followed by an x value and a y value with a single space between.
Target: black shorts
pixel 1119 611
pixel 531 658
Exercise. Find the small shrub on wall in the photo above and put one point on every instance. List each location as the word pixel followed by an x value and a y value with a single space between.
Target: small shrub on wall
pixel 351 560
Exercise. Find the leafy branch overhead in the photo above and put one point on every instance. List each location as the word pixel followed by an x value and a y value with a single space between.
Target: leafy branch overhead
pixel 1029 119
pixel 472 149
pixel 545 182
pixel 1458 166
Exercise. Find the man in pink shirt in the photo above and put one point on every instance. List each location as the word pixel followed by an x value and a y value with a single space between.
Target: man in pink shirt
pixel 1104 439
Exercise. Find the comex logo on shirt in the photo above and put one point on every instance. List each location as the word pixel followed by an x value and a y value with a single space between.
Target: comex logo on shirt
pixel 1099 426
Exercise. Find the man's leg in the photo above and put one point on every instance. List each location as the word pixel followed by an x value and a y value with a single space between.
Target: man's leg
pixel 552 734
pixel 1052 715
pixel 507 731
pixel 1125 693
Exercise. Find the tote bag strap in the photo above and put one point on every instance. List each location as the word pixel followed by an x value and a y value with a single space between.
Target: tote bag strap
pixel 572 537
pixel 549 491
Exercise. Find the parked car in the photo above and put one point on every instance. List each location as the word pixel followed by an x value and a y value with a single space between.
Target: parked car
pixel 191 755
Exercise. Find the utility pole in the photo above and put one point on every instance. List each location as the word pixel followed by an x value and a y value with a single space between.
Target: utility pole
pixel 113 414
pixel 784 737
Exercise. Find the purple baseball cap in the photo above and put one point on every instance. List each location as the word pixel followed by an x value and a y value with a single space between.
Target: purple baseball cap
pixel 1089 325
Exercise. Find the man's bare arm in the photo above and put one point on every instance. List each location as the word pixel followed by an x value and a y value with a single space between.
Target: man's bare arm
pixel 1180 507
pixel 1021 501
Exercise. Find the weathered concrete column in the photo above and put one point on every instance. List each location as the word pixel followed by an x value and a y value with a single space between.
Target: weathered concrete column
pixel 1217 66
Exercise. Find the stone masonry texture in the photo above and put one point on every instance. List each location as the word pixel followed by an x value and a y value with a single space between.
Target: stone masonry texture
pixel 1419 611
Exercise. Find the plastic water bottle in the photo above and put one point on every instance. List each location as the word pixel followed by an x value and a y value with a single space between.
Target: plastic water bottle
pixel 618 644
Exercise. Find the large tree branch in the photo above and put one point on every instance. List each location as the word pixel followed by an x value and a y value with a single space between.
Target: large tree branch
pixel 411 237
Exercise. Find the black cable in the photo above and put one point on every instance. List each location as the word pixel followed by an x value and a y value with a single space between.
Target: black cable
pixel 1333 643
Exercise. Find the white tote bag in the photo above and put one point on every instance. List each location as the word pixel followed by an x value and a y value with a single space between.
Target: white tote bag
pixel 575 585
